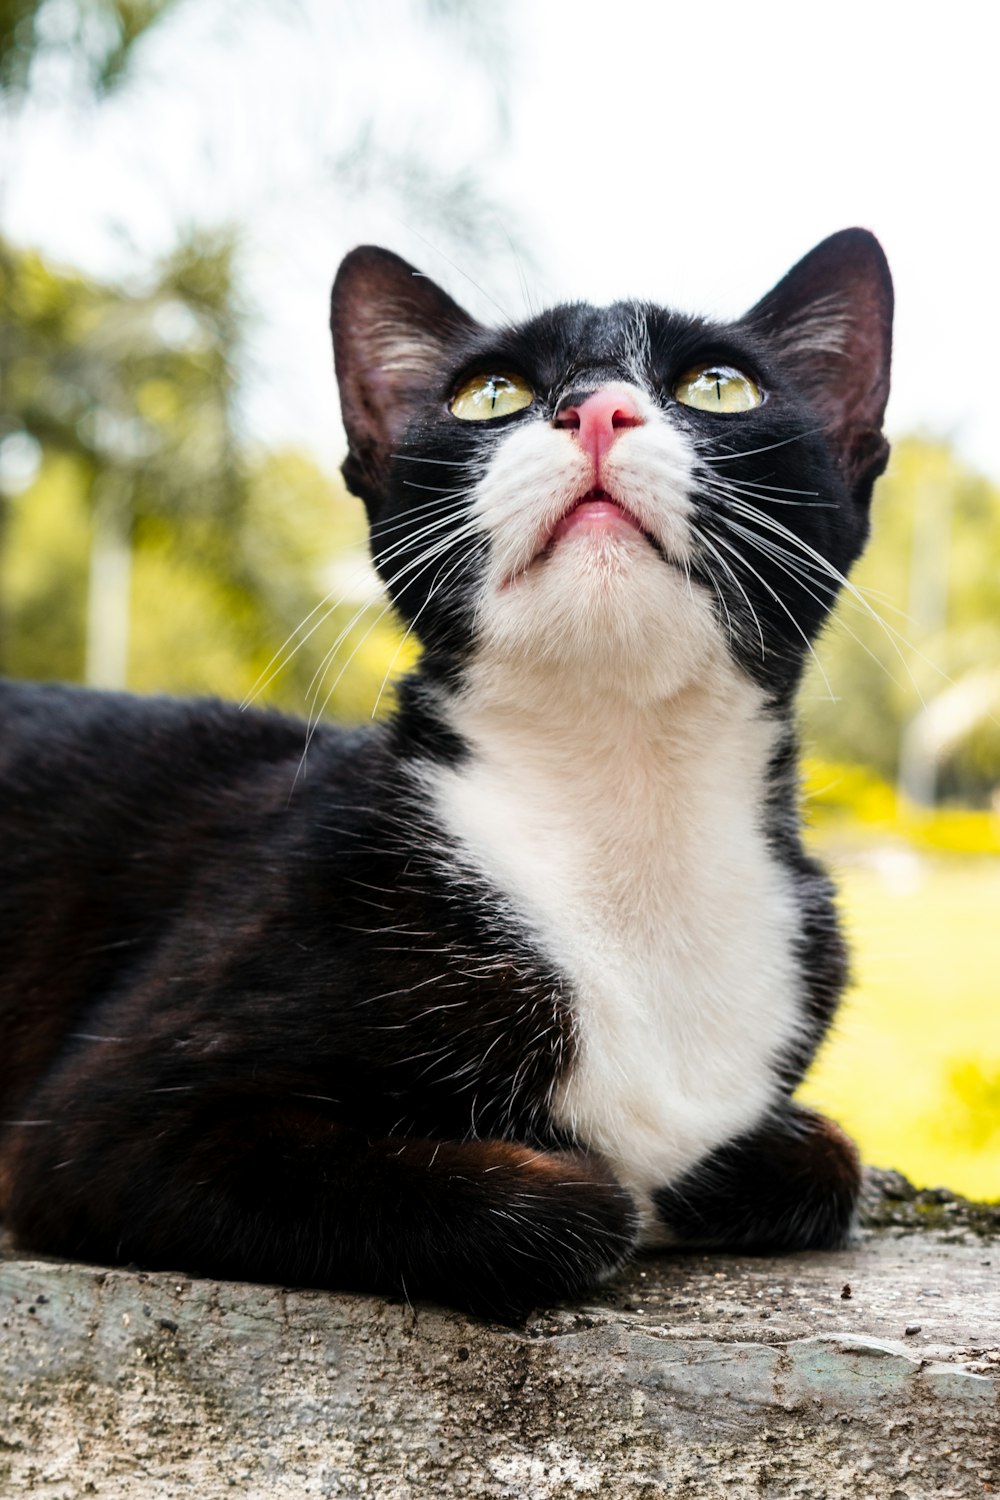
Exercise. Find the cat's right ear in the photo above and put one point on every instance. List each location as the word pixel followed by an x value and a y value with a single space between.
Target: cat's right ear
pixel 391 327
pixel 830 322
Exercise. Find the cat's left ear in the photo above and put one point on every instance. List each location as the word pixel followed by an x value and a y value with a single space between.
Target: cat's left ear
pixel 830 323
pixel 391 327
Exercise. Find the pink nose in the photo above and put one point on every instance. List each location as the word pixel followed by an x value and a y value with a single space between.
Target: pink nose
pixel 599 419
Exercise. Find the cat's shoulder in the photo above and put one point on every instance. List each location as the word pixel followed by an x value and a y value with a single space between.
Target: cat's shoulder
pixel 56 734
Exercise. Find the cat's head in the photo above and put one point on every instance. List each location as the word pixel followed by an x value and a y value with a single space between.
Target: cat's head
pixel 623 495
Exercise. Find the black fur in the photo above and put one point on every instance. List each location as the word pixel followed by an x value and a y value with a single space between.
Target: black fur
pixel 258 1022
pixel 793 1181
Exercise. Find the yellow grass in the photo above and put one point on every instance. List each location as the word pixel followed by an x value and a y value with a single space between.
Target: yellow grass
pixel 913 1068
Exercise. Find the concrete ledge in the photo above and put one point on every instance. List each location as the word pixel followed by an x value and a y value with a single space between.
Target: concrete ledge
pixel 873 1371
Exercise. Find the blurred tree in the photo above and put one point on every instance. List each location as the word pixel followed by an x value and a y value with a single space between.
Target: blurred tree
pixel 913 657
pixel 96 37
pixel 129 499
pixel 135 388
pixel 147 548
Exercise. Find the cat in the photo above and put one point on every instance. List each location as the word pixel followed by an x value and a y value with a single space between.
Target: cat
pixel 481 999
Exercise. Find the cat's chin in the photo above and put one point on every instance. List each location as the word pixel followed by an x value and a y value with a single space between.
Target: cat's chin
pixel 605 611
pixel 598 540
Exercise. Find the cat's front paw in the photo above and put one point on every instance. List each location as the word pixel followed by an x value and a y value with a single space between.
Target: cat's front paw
pixel 791 1184
pixel 534 1228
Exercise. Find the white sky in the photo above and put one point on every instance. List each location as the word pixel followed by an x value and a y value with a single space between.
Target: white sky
pixel 688 154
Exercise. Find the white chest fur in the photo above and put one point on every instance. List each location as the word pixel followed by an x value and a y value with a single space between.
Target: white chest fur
pixel 630 844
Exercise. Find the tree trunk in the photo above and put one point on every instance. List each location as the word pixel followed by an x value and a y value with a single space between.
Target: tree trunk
pixel 110 586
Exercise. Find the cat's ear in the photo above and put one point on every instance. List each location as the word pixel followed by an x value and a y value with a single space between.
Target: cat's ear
pixel 391 327
pixel 830 323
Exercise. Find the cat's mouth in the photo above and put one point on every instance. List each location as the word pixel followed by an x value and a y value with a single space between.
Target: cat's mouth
pixel 594 511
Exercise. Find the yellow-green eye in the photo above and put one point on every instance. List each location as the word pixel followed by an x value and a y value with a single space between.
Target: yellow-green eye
pixel 717 388
pixel 485 396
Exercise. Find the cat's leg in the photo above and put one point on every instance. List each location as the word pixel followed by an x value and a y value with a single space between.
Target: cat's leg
pixel 285 1196
pixel 790 1184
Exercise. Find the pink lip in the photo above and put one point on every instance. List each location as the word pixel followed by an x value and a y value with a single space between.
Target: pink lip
pixel 594 511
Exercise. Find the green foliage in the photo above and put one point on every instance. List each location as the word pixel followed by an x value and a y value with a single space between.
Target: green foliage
pixel 138 381
pixel 914 656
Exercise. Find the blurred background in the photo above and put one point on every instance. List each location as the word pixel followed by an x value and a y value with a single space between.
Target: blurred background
pixel 179 180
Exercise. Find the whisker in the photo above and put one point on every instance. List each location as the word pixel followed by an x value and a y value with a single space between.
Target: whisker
pixel 436 547
pixel 279 661
pixel 260 685
pixel 435 588
pixel 780 602
pixel 770 523
pixel 434 489
pixel 754 490
pixel 444 463
pixel 794 567
pixel 389 555
pixel 704 539
pixel 729 457
pixel 413 537
pixel 416 567
pixel 455 267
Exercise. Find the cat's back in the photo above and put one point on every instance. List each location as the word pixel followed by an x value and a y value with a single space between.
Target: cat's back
pixel 56 738
pixel 123 818
pixel 93 784
pixel 73 759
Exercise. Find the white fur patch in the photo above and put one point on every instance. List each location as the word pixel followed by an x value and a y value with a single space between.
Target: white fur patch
pixel 629 843
pixel 613 795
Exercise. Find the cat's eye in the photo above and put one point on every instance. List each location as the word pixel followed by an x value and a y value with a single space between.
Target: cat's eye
pixel 484 396
pixel 717 388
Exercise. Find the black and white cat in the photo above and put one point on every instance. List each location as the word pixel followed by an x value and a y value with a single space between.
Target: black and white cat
pixel 525 977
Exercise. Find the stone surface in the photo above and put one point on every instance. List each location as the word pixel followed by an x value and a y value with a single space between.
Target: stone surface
pixel 872 1371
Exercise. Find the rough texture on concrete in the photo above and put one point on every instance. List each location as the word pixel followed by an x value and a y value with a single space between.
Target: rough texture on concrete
pixel 873 1371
